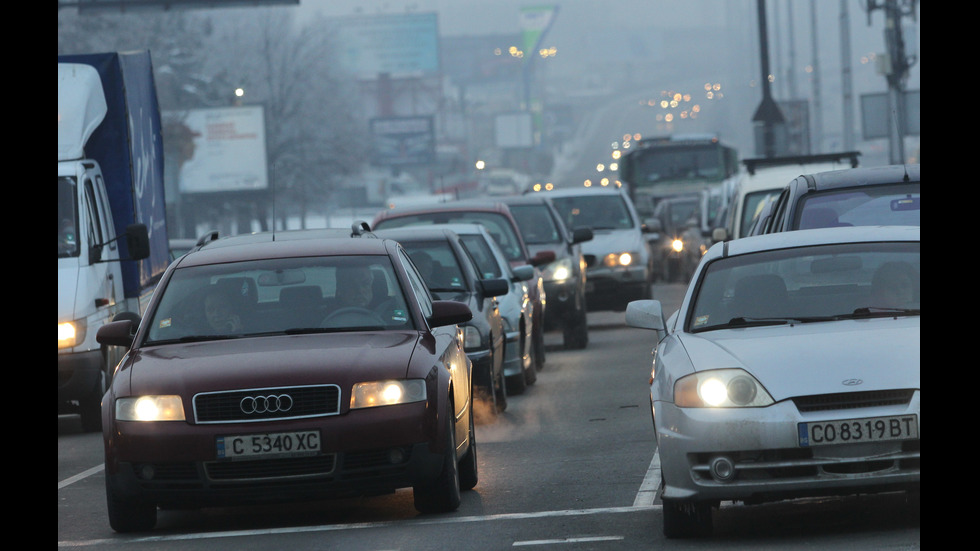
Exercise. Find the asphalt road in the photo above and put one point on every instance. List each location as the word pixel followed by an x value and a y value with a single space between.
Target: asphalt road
pixel 569 466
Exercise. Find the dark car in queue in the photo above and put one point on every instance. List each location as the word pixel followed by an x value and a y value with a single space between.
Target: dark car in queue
pixel 499 221
pixel 622 265
pixel 679 221
pixel 516 307
pixel 564 279
pixel 863 196
pixel 285 367
pixel 451 274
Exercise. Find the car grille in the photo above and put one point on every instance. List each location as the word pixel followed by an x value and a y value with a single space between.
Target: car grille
pixel 804 464
pixel 307 401
pixel 850 400
pixel 362 465
pixel 271 468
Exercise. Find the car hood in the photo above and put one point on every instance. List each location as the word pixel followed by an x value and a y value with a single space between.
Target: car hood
pixel 612 241
pixel 338 358
pixel 816 358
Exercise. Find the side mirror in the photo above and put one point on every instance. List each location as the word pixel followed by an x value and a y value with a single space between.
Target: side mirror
pixel 647 314
pixel 118 333
pixel 654 225
pixel 580 235
pixel 543 257
pixel 137 241
pixel 494 287
pixel 719 234
pixel 445 312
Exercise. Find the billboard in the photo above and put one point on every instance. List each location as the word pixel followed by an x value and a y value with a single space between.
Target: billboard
pixel 400 44
pixel 224 149
pixel 403 141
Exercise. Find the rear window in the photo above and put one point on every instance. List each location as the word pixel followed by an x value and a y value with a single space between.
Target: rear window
pixel 892 204
pixel 496 224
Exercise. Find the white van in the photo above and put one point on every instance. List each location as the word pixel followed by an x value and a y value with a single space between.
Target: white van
pixel 765 178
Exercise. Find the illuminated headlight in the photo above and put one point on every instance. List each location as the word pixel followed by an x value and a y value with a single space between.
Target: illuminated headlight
pixel 471 337
pixel 618 259
pixel 720 388
pixel 71 333
pixel 150 408
pixel 558 271
pixel 677 245
pixel 387 393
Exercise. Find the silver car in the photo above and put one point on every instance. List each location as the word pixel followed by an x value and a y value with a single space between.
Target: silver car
pixel 620 260
pixel 791 369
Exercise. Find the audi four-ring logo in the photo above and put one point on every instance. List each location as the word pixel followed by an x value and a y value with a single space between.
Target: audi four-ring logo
pixel 266 404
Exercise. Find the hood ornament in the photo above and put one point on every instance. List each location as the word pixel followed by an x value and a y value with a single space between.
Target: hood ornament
pixel 851 382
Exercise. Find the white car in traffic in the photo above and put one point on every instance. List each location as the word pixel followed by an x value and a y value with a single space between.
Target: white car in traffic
pixel 791 369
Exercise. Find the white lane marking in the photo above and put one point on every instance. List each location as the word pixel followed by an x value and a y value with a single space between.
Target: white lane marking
pixel 80 476
pixel 338 527
pixel 566 540
pixel 650 485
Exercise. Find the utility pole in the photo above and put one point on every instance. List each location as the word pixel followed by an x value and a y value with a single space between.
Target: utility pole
pixel 896 69
pixel 768 112
pixel 817 146
pixel 846 84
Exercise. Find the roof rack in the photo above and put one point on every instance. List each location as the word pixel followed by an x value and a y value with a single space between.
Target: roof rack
pixel 752 164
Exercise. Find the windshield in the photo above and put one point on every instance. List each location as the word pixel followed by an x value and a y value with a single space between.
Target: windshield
pixel 67 218
pixel 279 296
pixel 599 212
pixel 808 284
pixel 751 207
pixel 482 255
pixel 893 204
pixel 676 163
pixel 537 225
pixel 437 264
pixel 497 225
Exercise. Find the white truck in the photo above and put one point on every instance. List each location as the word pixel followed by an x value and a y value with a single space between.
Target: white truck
pixel 112 235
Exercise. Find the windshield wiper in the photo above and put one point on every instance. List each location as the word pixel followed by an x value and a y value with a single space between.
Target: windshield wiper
pixel 754 322
pixel 875 312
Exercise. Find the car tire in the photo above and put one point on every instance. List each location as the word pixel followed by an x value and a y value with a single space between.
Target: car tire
pixel 442 494
pixel 531 372
pixel 500 393
pixel 468 468
pixel 575 333
pixel 129 516
pixel 539 355
pixel 686 519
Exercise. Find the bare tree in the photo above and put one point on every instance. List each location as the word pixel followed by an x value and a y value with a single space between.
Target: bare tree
pixel 314 136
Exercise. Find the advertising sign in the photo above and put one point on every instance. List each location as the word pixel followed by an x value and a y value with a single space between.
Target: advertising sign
pixel 225 149
pixel 400 141
pixel 399 44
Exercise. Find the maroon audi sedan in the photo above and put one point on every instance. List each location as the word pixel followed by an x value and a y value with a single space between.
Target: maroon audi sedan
pixel 285 367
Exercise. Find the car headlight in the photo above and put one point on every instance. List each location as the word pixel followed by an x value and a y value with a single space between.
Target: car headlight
pixel 560 270
pixel 71 333
pixel 677 245
pixel 613 260
pixel 387 393
pixel 150 408
pixel 720 388
pixel 471 337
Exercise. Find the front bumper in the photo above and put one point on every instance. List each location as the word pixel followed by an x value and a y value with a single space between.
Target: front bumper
pixel 768 462
pixel 564 300
pixel 366 452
